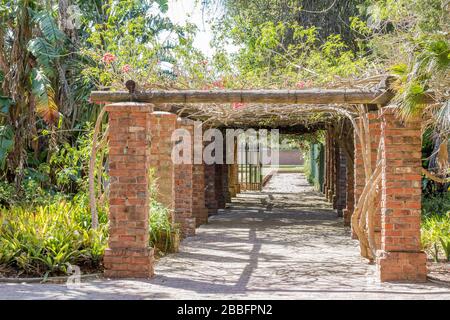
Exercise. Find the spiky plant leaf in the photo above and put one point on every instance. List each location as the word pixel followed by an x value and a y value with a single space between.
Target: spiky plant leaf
pixel 44 53
pixel 48 27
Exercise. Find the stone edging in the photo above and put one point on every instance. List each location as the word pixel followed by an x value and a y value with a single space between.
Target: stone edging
pixel 437 281
pixel 60 279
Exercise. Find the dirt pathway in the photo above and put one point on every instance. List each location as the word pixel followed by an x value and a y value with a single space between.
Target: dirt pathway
pixel 283 243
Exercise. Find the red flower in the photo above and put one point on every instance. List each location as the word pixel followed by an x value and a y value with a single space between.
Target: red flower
pixel 238 105
pixel 108 58
pixel 219 84
pixel 204 62
pixel 300 84
pixel 126 68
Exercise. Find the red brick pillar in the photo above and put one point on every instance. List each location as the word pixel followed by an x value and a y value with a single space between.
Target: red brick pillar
pixel 350 197
pixel 128 253
pixel 219 185
pixel 226 183
pixel 199 209
pixel 210 188
pixel 231 182
pixel 237 186
pixel 232 173
pixel 336 175
pixel 327 165
pixel 400 257
pixel 375 135
pixel 210 185
pixel 359 173
pixel 162 126
pixel 330 167
pixel 332 185
pixel 184 186
pixel 341 183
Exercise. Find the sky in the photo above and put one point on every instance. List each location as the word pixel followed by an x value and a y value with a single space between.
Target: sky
pixel 182 11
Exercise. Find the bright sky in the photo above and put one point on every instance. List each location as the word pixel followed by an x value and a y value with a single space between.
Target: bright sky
pixel 182 11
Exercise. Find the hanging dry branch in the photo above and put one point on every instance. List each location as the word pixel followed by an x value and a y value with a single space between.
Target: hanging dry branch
pixel 433 177
pixel 92 197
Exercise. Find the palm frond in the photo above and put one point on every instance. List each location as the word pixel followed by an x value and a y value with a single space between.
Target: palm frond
pixel 45 97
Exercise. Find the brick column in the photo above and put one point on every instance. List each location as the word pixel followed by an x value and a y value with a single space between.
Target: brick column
pixel 237 186
pixel 184 187
pixel 210 188
pixel 231 181
pixel 128 253
pixel 359 173
pixel 210 185
pixel 219 185
pixel 330 167
pixel 336 175
pixel 375 135
pixel 350 197
pixel 400 257
pixel 333 160
pixel 341 185
pixel 225 181
pixel 162 126
pixel 199 209
pixel 327 166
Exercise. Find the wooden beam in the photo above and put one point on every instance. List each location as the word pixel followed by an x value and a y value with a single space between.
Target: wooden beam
pixel 307 96
pixel 284 129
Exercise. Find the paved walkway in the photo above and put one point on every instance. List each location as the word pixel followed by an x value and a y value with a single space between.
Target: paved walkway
pixel 283 243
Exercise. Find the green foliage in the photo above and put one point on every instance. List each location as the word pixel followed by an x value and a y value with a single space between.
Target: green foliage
pixel 163 233
pixel 435 236
pixel 411 37
pixel 6 143
pixel 436 205
pixel 45 239
pixel 70 163
pixel 142 45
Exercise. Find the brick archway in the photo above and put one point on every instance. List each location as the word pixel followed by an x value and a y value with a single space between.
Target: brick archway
pixel 140 138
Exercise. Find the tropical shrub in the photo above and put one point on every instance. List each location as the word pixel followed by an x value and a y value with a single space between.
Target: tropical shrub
pixel 436 205
pixel 163 234
pixel 44 240
pixel 435 229
pixel 436 236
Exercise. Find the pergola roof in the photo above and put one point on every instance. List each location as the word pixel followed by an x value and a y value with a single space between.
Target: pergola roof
pixel 257 108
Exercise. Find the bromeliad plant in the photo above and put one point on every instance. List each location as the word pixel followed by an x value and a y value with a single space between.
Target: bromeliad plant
pixel 45 239
pixel 436 236
pixel 163 233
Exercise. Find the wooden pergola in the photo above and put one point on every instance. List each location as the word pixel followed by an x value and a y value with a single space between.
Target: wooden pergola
pixel 399 256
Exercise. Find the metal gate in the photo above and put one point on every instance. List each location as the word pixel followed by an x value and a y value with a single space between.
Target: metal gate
pixel 250 167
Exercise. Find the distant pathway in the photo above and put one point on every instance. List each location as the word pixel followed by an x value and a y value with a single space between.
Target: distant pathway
pixel 283 243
